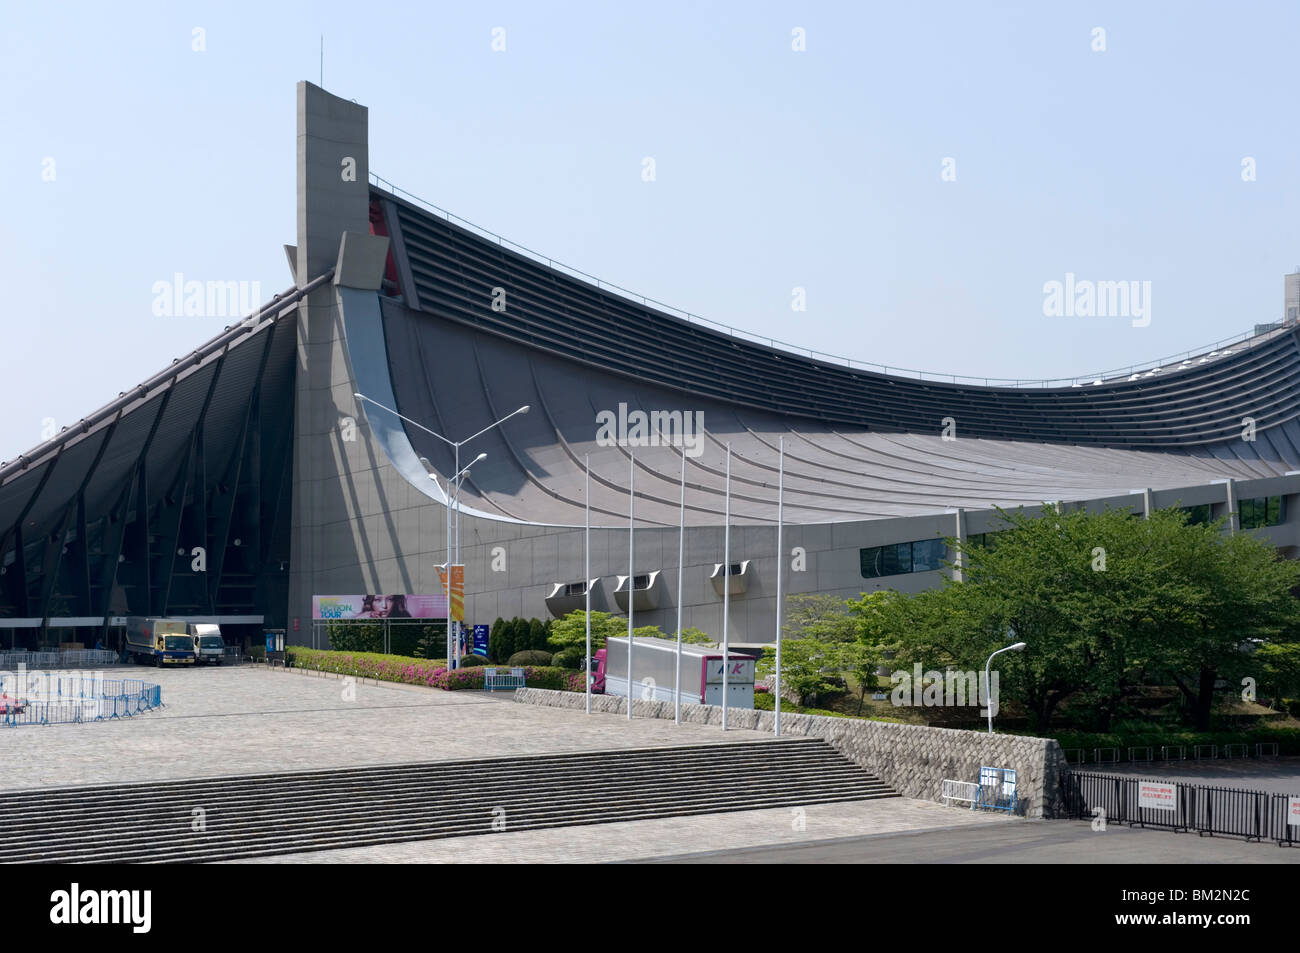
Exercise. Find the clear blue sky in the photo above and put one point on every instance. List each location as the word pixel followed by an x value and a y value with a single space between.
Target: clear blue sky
pixel 775 169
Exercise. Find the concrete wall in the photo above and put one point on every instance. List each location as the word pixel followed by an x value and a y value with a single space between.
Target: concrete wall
pixel 359 526
pixel 537 557
pixel 333 490
pixel 912 759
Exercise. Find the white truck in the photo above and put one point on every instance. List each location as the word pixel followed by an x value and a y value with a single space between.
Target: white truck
pixel 653 662
pixel 208 643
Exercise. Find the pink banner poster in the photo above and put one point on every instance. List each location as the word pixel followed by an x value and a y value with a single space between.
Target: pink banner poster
pixel 380 607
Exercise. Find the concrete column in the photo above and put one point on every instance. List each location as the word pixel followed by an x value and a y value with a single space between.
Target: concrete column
pixel 1146 501
pixel 333 197
pixel 1234 518
pixel 959 518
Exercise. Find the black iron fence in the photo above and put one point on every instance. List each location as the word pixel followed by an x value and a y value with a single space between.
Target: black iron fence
pixel 1148 754
pixel 1179 806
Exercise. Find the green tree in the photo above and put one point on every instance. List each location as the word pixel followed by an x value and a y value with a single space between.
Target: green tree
pixel 518 636
pixel 817 616
pixel 694 636
pixel 808 667
pixel 859 660
pixel 1100 599
pixel 433 641
pixel 1240 598
pixel 1279 672
pixel 570 631
pixel 536 635
pixel 495 635
pixel 503 646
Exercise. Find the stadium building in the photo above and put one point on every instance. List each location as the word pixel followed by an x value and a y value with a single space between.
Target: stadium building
pixel 246 478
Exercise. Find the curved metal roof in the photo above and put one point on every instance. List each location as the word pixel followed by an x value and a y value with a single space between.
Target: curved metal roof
pixel 457 379
pixel 449 272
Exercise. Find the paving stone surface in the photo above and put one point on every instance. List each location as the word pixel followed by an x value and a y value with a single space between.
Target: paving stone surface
pixel 643 840
pixel 243 720
pixel 248 720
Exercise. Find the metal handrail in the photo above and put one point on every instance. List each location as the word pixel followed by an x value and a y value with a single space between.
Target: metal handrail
pixel 1208 350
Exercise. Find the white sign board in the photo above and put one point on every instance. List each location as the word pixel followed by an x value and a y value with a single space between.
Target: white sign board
pixel 1159 797
pixel 1293 810
pixel 741 670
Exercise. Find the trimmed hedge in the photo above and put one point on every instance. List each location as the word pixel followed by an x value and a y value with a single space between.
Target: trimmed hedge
pixel 567 658
pixel 428 672
pixel 535 676
pixel 469 661
pixel 385 668
pixel 530 657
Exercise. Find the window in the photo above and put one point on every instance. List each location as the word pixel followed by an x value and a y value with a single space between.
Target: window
pixel 897 559
pixel 575 589
pixel 1261 511
pixel 1198 515
pixel 986 540
pixel 928 554
pixel 641 581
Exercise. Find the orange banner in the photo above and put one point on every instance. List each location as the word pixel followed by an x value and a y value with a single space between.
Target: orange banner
pixel 457 590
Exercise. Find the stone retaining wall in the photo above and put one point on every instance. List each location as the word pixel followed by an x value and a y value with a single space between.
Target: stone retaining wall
pixel 912 759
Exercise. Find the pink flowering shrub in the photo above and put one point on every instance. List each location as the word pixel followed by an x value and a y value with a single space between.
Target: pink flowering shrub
pixel 432 673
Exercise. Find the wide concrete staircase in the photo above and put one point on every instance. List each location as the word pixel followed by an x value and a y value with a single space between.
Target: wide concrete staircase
pixel 228 818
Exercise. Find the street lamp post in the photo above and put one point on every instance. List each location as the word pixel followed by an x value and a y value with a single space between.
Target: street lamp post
pixel 452 644
pixel 1018 647
pixel 458 479
pixel 452 647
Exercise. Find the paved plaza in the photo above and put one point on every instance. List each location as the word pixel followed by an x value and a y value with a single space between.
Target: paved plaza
pixel 251 720
pixel 248 720
pixel 646 840
pixel 1014 842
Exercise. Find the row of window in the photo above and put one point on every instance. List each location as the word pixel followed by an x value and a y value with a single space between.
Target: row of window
pixel 1254 513
pixel 923 555
pixel 985 540
pixel 1261 511
pixel 899 558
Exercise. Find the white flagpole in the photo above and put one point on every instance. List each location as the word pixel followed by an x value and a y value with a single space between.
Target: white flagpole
pixel 681 549
pixel 726 588
pixel 451 657
pixel 780 558
pixel 586 545
pixel 631 571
